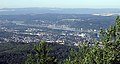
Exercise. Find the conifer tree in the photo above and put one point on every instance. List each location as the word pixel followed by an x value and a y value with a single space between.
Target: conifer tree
pixel 108 53
pixel 40 55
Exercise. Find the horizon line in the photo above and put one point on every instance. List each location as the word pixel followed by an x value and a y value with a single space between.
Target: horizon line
pixel 58 8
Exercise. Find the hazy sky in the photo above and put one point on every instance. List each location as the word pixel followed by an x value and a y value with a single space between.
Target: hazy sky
pixel 60 3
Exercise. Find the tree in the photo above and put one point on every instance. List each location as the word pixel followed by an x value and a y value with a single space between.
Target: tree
pixel 77 56
pixel 41 55
pixel 108 53
pixel 111 44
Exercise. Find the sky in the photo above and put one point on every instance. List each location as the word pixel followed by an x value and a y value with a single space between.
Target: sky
pixel 60 3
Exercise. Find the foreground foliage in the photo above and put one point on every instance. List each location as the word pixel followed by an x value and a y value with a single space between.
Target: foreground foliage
pixel 40 55
pixel 105 52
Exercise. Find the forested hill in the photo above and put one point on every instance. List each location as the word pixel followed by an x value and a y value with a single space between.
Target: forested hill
pixel 16 53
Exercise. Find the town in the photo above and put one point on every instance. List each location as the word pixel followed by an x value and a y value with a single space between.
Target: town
pixel 58 30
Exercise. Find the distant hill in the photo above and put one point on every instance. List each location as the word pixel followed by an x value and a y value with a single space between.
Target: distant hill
pixel 14 11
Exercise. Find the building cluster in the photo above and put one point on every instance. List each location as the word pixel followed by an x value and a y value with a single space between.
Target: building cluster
pixel 10 32
pixel 64 37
